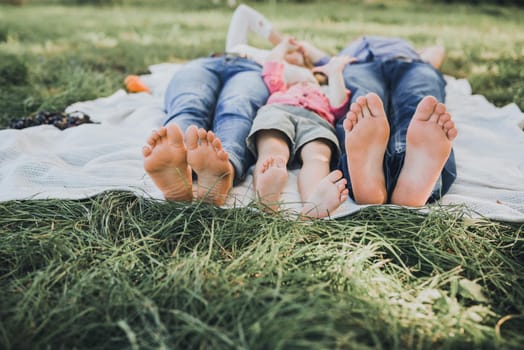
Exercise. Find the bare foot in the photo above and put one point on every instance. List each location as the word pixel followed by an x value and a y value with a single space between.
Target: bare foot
pixel 367 133
pixel 428 145
pixel 331 192
pixel 211 163
pixel 165 161
pixel 270 180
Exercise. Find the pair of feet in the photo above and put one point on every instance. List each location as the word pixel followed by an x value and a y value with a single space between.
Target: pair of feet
pixel 170 157
pixel 271 178
pixel 428 146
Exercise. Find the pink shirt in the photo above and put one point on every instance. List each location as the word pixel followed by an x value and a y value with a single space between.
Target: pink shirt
pixel 302 94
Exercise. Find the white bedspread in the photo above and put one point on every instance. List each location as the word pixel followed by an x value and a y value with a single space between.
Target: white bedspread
pixel 44 162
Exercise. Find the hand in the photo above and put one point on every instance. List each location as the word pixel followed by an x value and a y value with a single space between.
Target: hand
pixel 311 51
pixel 307 48
pixel 290 44
pixel 335 65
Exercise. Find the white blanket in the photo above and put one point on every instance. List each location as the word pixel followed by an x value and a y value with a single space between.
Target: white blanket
pixel 44 162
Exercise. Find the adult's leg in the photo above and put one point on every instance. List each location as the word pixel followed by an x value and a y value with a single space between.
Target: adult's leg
pixel 410 82
pixel 367 133
pixel 191 95
pixel 211 163
pixel 243 93
pixel 360 79
pixel 429 138
pixel 166 162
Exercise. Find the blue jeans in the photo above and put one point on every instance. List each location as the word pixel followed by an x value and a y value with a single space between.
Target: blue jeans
pixel 221 94
pixel 401 85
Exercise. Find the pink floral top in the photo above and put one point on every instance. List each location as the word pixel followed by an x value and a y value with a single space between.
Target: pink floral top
pixel 302 94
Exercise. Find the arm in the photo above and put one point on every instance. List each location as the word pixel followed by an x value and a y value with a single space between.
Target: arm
pixel 292 74
pixel 315 54
pixel 337 93
pixel 273 70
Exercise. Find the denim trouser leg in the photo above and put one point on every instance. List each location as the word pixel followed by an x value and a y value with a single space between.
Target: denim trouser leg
pixel 409 82
pixel 360 79
pixel 243 93
pixel 401 86
pixel 191 95
pixel 221 94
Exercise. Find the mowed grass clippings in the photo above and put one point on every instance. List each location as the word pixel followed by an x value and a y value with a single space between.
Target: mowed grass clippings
pixel 117 271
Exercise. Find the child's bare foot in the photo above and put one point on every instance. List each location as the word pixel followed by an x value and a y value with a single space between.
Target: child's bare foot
pixel 270 180
pixel 211 163
pixel 331 192
pixel 165 161
pixel 367 133
pixel 428 146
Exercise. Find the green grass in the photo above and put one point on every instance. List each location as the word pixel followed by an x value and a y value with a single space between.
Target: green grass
pixel 120 272
pixel 117 271
pixel 71 53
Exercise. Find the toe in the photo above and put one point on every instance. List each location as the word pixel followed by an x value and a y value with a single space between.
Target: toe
pixel 202 136
pixel 191 137
pixel 452 133
pixel 334 176
pixel 348 123
pixel 162 131
pixel 174 134
pixel 425 108
pixel 375 105
pixel 210 137
pixel 217 144
pixel 363 102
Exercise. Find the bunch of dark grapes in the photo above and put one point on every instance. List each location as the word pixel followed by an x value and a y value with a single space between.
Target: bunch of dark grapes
pixel 59 119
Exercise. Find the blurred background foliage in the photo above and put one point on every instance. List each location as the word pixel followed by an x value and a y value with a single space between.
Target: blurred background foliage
pixel 57 52
pixel 214 3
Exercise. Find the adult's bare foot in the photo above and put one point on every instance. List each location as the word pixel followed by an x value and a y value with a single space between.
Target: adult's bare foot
pixel 367 133
pixel 165 162
pixel 428 145
pixel 331 192
pixel 270 180
pixel 211 163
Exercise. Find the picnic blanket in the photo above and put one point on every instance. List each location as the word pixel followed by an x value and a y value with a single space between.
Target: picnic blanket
pixel 43 162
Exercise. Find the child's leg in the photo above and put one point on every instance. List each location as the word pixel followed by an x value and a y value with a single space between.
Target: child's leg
pixel 316 157
pixel 270 174
pixel 321 191
pixel 330 193
pixel 244 20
